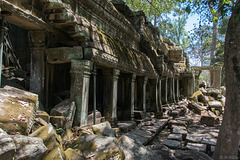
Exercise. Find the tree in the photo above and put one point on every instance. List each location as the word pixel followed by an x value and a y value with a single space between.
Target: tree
pixel 168 16
pixel 229 135
pixel 199 45
pixel 154 10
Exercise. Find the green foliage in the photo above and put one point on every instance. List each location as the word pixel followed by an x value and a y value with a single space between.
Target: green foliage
pixel 168 15
pixel 200 42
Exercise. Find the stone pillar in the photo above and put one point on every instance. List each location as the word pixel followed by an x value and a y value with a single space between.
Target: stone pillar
pixel 160 94
pixel 196 82
pixel 80 79
pixel 37 73
pixel 156 94
pixel 171 90
pixel 166 90
pixel 178 94
pixel 217 72
pixel 173 86
pixel 132 95
pixel 110 95
pixel 144 93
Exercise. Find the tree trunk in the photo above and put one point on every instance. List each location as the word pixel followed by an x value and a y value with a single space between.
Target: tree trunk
pixel 214 41
pixel 229 135
pixel 155 21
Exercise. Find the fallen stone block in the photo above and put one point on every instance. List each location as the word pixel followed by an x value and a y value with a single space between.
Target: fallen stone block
pixel 197 147
pixel 209 141
pixel 216 104
pixel 58 121
pixel 213 92
pixel 66 109
pixel 175 137
pixel 28 147
pixel 7 146
pixel 196 95
pixel 132 149
pixel 171 144
pixel 98 147
pixel 98 118
pixel 175 113
pixel 194 138
pixel 139 136
pixel 72 154
pixel 208 120
pixel 103 129
pixel 196 107
pixel 52 141
pixel 179 130
pixel 43 115
pixel 126 126
pixel 17 109
pixel 177 123
pixel 191 154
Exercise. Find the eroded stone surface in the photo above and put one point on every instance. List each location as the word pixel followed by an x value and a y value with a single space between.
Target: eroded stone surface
pixel 104 129
pixel 52 141
pixel 171 144
pixel 7 146
pixel 196 147
pixel 17 109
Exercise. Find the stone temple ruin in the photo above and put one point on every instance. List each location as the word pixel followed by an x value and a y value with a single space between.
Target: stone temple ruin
pixel 99 54
pixel 92 79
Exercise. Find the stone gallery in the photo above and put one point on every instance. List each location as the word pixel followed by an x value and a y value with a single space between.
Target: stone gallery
pixel 96 57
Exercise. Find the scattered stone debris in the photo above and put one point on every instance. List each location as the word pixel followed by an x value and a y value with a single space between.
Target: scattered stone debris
pixel 188 134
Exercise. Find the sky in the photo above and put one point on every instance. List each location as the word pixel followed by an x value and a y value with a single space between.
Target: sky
pixel 191 20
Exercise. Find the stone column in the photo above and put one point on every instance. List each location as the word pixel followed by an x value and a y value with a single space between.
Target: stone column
pixel 132 95
pixel 178 94
pixel 166 90
pixel 160 93
pixel 217 72
pixel 144 93
pixel 171 90
pixel 197 75
pixel 173 86
pixel 37 78
pixel 80 79
pixel 110 95
pixel 156 94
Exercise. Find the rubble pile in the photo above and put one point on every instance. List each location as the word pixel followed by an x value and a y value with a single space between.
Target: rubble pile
pixel 179 134
pixel 209 103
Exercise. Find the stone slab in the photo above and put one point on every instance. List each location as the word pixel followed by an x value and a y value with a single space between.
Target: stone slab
pixel 194 138
pixel 177 123
pixel 197 147
pixel 140 136
pixel 210 141
pixel 179 130
pixel 171 144
pixel 175 137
